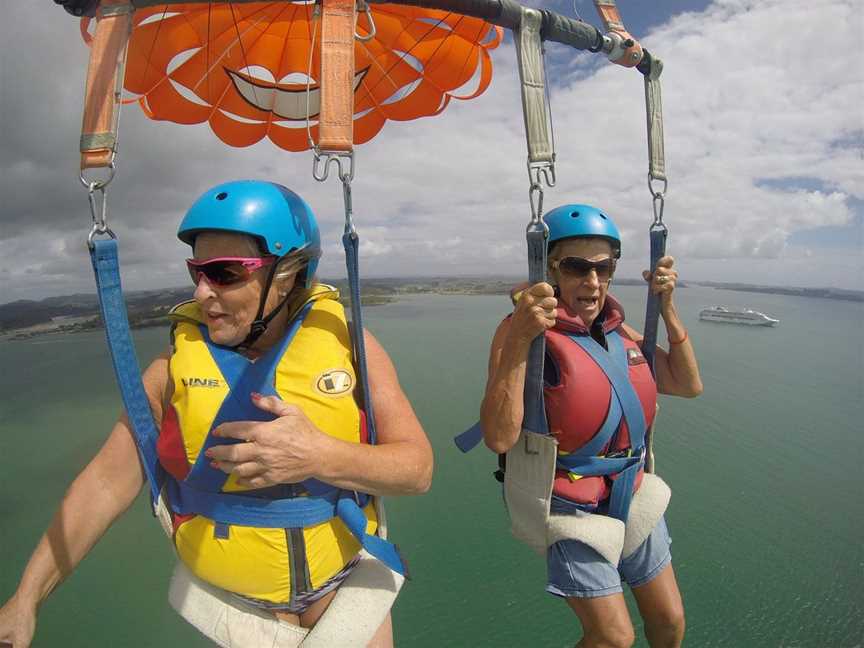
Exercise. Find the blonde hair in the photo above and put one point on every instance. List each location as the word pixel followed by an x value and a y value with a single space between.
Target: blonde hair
pixel 287 267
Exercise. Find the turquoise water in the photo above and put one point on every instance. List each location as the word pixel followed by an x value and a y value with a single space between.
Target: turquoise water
pixel 766 515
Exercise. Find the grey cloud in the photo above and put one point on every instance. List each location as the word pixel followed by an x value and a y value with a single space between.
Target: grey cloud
pixel 449 194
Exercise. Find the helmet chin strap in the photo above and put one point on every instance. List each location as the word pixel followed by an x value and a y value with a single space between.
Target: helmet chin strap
pixel 259 324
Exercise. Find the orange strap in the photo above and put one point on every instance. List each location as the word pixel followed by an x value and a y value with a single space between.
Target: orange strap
pixel 105 84
pixel 612 22
pixel 336 119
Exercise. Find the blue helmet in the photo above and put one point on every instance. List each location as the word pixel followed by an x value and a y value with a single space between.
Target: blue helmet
pixel 570 221
pixel 276 216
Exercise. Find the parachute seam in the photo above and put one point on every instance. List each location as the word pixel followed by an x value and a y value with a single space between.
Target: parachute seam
pixel 272 112
pixel 240 43
pixel 153 47
pixel 410 49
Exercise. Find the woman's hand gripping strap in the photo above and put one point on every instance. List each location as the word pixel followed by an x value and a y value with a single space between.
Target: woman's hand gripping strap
pixel 651 69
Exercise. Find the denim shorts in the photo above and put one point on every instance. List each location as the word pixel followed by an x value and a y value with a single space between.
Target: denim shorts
pixel 577 570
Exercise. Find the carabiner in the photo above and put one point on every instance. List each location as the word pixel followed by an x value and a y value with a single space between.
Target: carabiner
pixel 363 7
pixel 98 216
pixel 658 203
pixel 535 197
pixel 349 208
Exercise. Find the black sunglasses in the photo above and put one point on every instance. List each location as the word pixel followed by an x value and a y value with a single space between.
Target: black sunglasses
pixel 578 267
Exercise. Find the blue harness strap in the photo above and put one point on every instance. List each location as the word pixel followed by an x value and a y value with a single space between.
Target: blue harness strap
pixel 351 243
pixel 243 378
pixel 534 417
pixel 103 255
pixel 657 236
pixel 613 363
pixel 470 438
pixel 296 512
pixel 348 510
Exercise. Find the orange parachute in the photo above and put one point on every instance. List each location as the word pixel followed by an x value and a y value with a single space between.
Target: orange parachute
pixel 248 69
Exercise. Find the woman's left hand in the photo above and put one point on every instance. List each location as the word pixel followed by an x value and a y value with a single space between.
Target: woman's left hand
pixel 663 280
pixel 286 450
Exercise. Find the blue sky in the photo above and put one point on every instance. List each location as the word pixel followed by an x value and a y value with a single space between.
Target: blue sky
pixel 764 141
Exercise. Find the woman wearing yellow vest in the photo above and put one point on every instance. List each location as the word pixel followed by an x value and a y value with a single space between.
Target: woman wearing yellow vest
pixel 268 460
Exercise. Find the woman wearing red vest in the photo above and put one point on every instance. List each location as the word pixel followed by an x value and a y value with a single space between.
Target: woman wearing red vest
pixel 599 397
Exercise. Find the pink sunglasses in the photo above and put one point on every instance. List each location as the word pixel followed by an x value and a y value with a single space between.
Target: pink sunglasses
pixel 224 271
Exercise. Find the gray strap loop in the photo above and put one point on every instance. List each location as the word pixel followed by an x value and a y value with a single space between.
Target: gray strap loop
pixel 654 118
pixel 535 109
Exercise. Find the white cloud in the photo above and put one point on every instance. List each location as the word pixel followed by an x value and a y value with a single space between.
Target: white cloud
pixel 752 93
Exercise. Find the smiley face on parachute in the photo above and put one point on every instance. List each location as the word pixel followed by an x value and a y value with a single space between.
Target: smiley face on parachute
pixel 245 68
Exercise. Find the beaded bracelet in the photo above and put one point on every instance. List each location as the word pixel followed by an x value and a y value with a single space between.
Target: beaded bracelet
pixel 681 341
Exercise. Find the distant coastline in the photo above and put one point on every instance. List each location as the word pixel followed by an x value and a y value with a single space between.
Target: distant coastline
pixel 817 293
pixel 24 319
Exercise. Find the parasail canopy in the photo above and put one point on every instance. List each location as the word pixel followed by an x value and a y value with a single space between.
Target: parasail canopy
pixel 250 69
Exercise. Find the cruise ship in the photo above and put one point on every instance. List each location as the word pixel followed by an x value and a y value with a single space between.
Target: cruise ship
pixel 746 316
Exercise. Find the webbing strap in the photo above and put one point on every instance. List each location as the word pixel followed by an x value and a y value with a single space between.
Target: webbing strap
pixel 529 52
pixel 620 380
pixel 657 237
pixel 658 231
pixel 470 438
pixel 654 117
pixel 336 120
pixel 102 93
pixel 243 378
pixel 352 515
pixel 625 468
pixel 534 418
pixel 656 172
pixel 351 243
pixel 585 457
pixel 227 509
pixel 595 466
pixel 103 255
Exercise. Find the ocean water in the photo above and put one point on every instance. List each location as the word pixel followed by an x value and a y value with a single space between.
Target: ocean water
pixel 766 471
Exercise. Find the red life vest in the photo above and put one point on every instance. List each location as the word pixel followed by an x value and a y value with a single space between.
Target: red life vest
pixel 578 401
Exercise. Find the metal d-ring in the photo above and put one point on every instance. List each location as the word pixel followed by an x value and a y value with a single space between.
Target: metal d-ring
pixel 92 185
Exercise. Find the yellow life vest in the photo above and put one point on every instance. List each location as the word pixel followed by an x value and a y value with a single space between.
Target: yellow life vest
pixel 316 373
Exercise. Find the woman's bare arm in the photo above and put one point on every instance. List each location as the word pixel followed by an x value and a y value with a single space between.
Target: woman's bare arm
pixel 401 463
pixel 99 495
pixel 502 409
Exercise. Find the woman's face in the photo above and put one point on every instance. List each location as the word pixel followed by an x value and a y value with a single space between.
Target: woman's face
pixel 230 310
pixel 581 295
